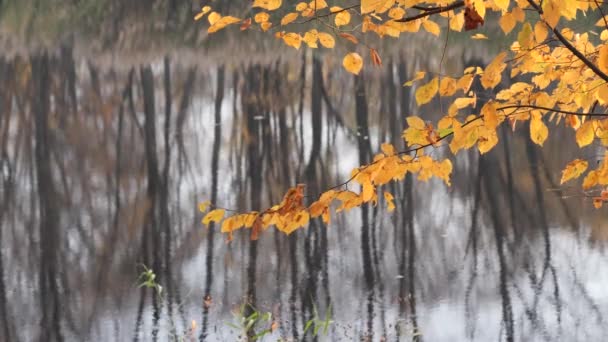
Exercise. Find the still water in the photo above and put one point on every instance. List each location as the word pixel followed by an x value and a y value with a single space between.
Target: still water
pixel 115 125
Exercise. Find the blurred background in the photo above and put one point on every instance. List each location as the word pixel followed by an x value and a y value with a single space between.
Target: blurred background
pixel 118 117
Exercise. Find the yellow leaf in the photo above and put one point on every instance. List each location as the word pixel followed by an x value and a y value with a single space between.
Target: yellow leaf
pixel 353 63
pixel 388 149
pixel 396 13
pixel 266 26
pixel 327 40
pixel 457 22
pixel 419 75
pixel 524 38
pixel 301 6
pixel 415 136
pixel 551 11
pixel 602 94
pixel 568 8
pixel 289 18
pixel 223 22
pixel 198 16
pixel 415 122
pixel 390 204
pixel 480 7
pixel 585 134
pixel 269 5
pixel 502 4
pixel 507 22
pixel 292 39
pixel 490 117
pixel 603 58
pixel 368 191
pixel 308 12
pixel 426 93
pixel 202 207
pixel 317 4
pixel 487 139
pixel 463 102
pixel 591 179
pixel 326 216
pixel 213 216
pixel 447 86
pixel 479 36
pixel 203 11
pixel 431 27
pixel 518 13
pixel 342 17
pixel 213 17
pixel 261 17
pixel 540 32
pixel 443 170
pixel 538 130
pixel 573 170
pixel 368 6
pixel 310 38
pixel 465 82
pixel 228 225
pixel 493 72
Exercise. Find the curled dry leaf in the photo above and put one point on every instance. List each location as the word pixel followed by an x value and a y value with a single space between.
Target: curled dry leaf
pixel 349 37
pixel 472 19
pixel 376 60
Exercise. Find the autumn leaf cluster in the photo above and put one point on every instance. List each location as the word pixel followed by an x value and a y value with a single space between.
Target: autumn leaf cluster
pixel 550 75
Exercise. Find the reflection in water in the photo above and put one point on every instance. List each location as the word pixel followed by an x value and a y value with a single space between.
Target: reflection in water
pixel 102 168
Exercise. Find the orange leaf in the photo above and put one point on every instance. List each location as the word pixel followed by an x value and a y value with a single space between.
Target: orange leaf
pixel 349 37
pixel 376 60
pixel 472 19
pixel 246 24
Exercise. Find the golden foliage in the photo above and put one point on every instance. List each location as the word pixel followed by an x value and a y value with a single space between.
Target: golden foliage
pixel 550 75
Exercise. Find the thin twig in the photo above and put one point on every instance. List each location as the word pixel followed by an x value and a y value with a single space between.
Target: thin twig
pixel 432 11
pixel 569 46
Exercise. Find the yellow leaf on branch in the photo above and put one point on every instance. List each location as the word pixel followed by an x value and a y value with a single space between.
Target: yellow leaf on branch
pixel 222 22
pixel 293 39
pixel 426 93
pixel 573 170
pixel 493 72
pixel 289 18
pixel 585 133
pixel 327 40
pixel 213 216
pixel 538 130
pixel 342 17
pixel 390 204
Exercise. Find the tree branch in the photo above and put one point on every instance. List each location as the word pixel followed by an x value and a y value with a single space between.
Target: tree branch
pixel 430 11
pixel 552 110
pixel 569 46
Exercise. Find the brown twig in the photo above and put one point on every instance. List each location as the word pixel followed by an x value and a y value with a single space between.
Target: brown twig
pixel 430 11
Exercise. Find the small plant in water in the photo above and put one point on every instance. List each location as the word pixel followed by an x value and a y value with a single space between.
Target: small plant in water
pixel 147 279
pixel 316 323
pixel 247 323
